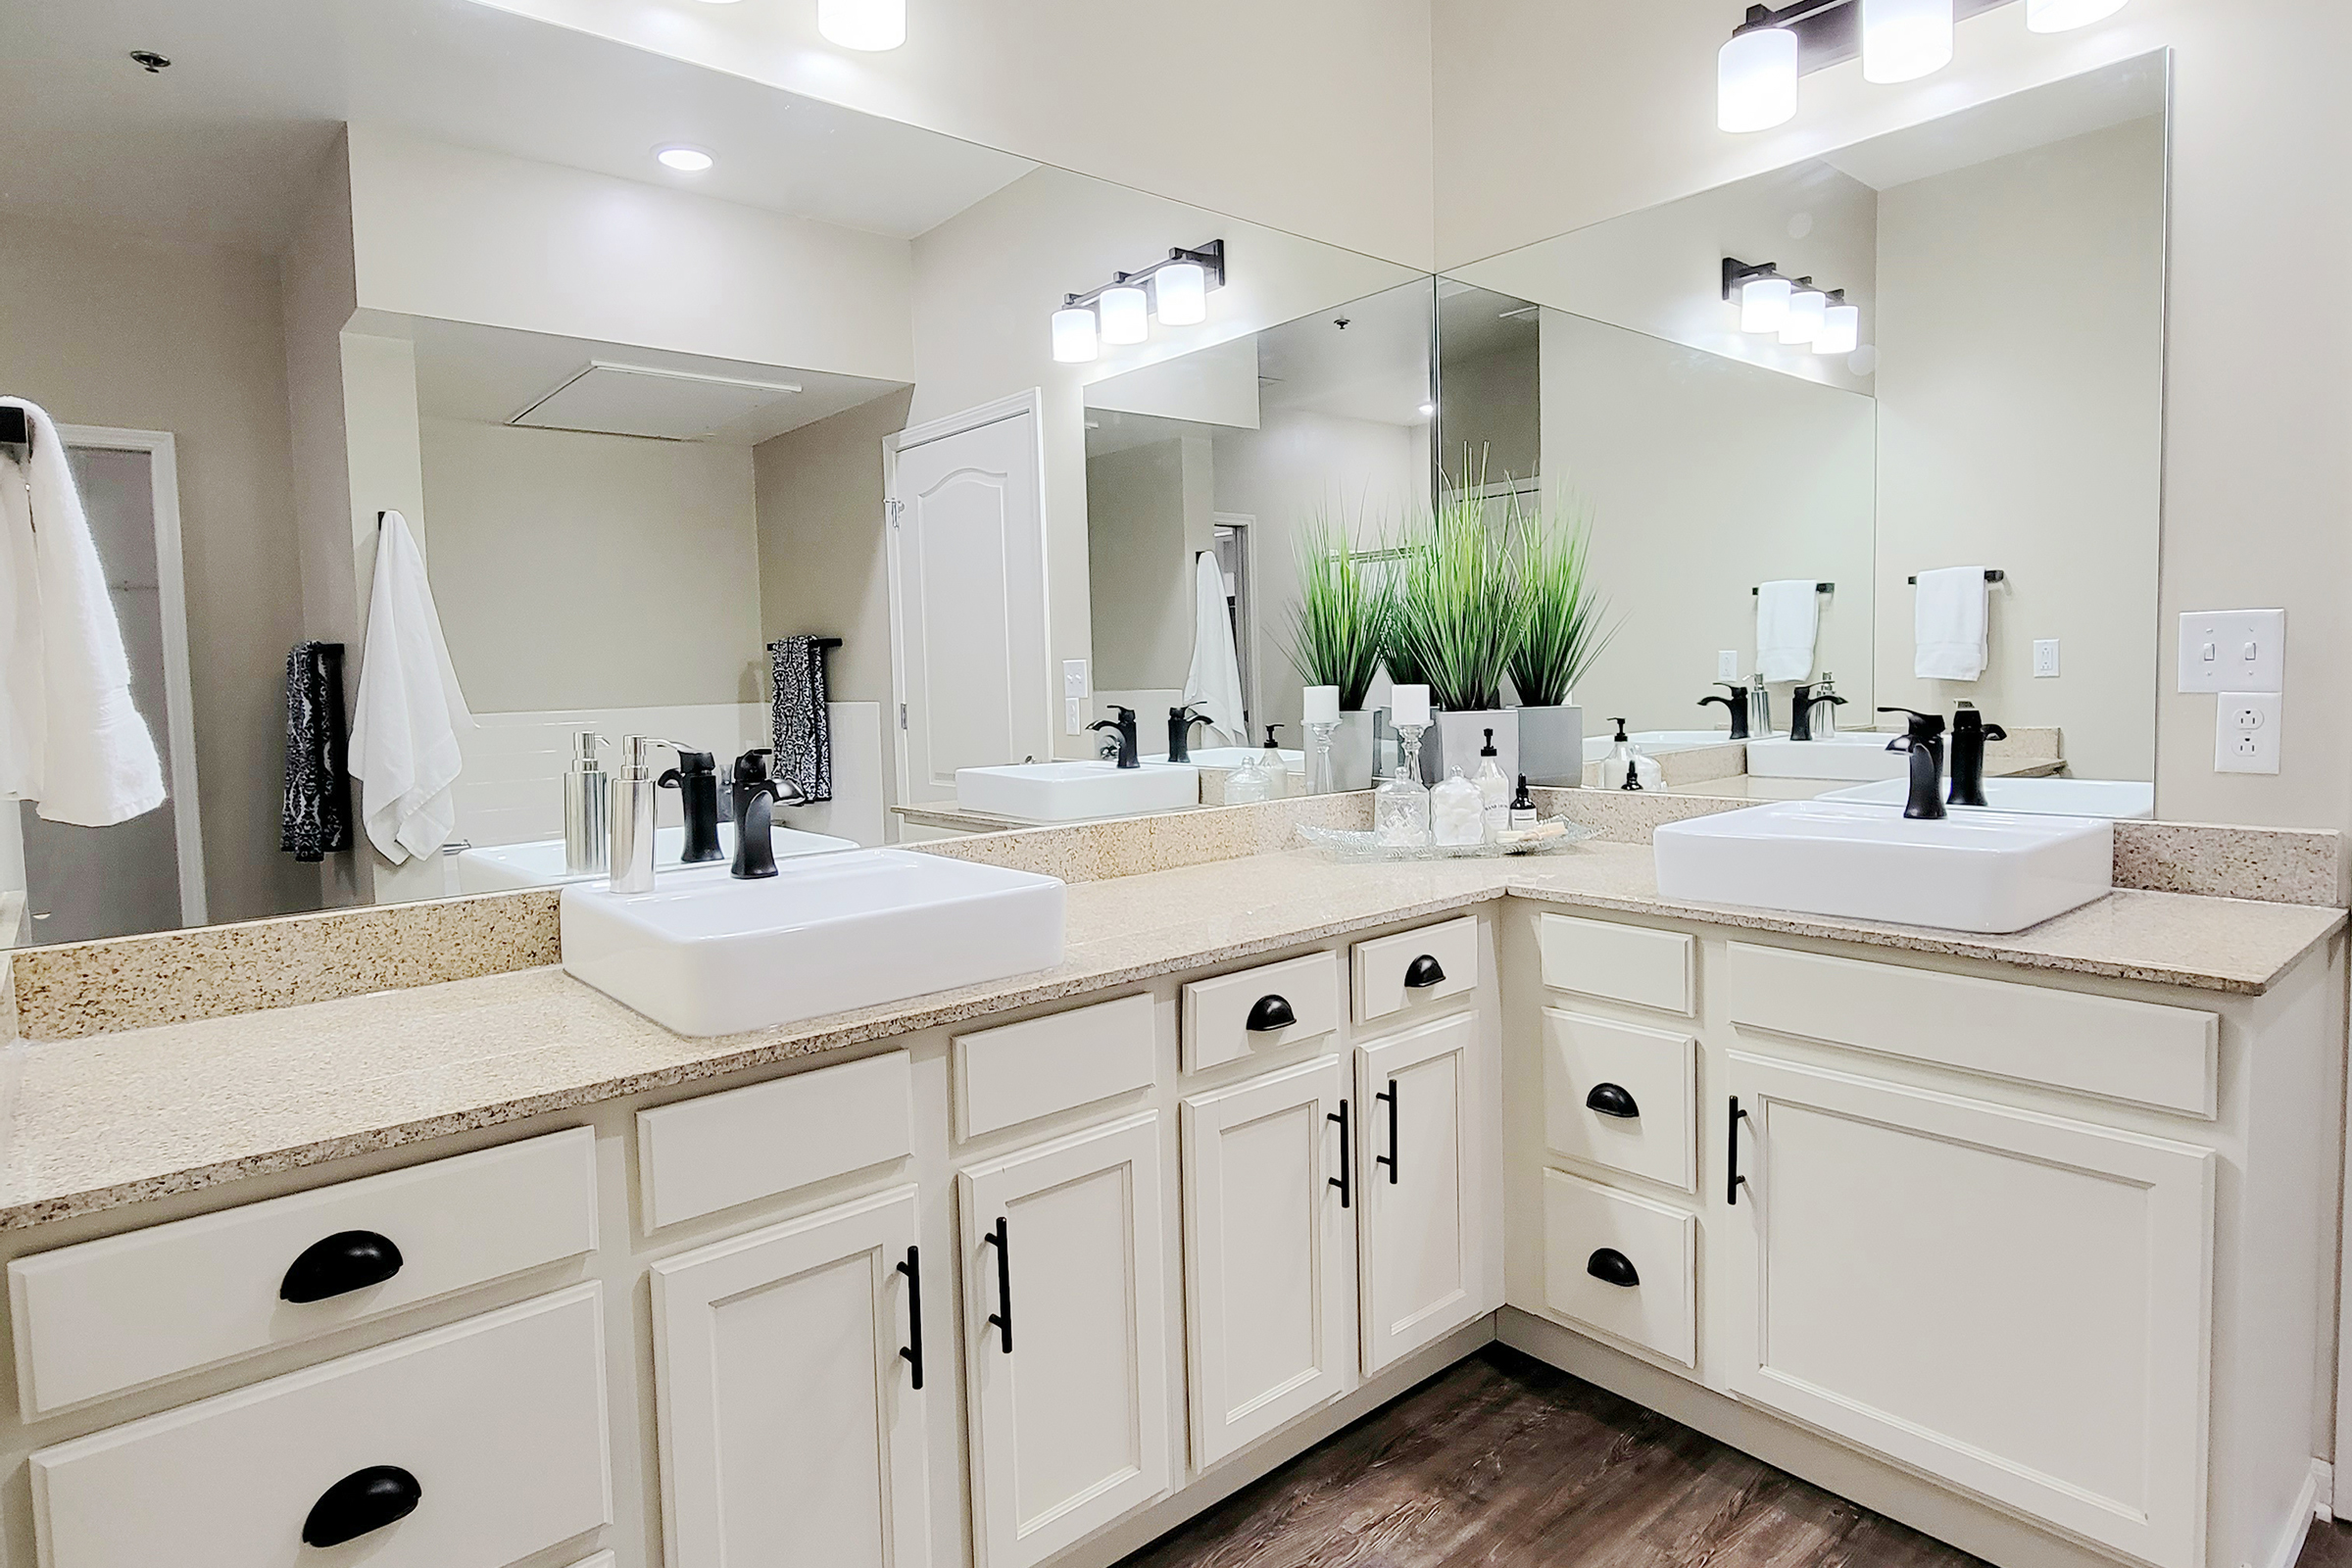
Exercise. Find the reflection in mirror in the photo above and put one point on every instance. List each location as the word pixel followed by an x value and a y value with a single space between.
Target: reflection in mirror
pixel 1998 411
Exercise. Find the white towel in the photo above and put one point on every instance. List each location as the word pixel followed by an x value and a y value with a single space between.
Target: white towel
pixel 404 738
pixel 70 737
pixel 1214 683
pixel 1788 618
pixel 1951 624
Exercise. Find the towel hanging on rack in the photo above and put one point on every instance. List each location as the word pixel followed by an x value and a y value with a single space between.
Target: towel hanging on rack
pixel 317 819
pixel 404 740
pixel 803 727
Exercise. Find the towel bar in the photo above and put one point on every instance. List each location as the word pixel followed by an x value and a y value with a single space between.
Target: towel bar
pixel 1992 575
pixel 1819 588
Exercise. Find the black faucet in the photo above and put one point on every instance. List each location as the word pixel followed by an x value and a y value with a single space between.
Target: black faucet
pixel 1736 705
pixel 1180 733
pixel 1800 711
pixel 755 797
pixel 1969 732
pixel 1125 725
pixel 1925 742
pixel 696 779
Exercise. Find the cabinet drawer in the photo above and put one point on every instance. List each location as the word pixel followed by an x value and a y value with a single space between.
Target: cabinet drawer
pixel 1622 1096
pixel 1595 1239
pixel 115 1314
pixel 1415 969
pixel 1217 1013
pixel 499 1423
pixel 699 1157
pixel 2138 1051
pixel 1619 963
pixel 1027 1070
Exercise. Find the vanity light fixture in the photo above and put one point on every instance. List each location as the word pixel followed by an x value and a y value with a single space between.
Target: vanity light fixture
pixel 1795 312
pixel 1176 289
pixel 685 159
pixel 1840 326
pixel 1763 304
pixel 1756 72
pixel 1807 308
pixel 868 24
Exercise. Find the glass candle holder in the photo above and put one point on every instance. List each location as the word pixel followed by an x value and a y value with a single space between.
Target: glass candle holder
pixel 1319 780
pixel 1400 805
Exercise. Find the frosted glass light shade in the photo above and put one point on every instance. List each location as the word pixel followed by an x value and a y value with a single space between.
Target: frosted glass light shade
pixel 1126 315
pixel 1074 337
pixel 1904 40
pixel 1840 330
pixel 1806 308
pixel 1763 304
pixel 2061 15
pixel 1755 80
pixel 1182 290
pixel 862 24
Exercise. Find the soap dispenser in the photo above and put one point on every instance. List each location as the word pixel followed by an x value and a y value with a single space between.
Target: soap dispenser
pixel 587 799
pixel 1969 732
pixel 1494 790
pixel 1924 740
pixel 1626 767
pixel 1278 771
pixel 1523 806
pixel 1759 711
pixel 696 779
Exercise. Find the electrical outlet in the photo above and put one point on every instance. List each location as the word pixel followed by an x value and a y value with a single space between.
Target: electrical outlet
pixel 2045 659
pixel 1073 715
pixel 1727 664
pixel 2245 736
pixel 1073 678
pixel 2234 651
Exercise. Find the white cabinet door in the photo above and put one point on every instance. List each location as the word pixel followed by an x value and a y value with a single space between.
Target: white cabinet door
pixel 2012 1301
pixel 791 1405
pixel 1422 1235
pixel 1269 1252
pixel 1064 1338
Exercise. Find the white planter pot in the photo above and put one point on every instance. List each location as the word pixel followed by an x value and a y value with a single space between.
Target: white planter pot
pixel 1350 752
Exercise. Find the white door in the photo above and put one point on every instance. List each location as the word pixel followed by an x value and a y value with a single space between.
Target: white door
pixel 792 1380
pixel 968 597
pixel 1422 1235
pixel 2013 1303
pixel 1064 1338
pixel 1269 1244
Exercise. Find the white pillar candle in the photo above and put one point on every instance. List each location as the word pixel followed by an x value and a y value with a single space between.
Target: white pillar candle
pixel 1411 705
pixel 1322 705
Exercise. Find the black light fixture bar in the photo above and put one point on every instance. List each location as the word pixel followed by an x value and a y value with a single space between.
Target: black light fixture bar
pixel 1829 33
pixel 1736 273
pixel 16 430
pixel 1210 258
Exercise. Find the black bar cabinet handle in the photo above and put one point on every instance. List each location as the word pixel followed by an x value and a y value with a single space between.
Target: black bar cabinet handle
pixel 1389 1159
pixel 1340 1181
pixel 1611 1100
pixel 1733 1180
pixel 362 1500
pixel 1612 1267
pixel 912 1350
pixel 1424 972
pixel 1003 1317
pixel 1270 1013
pixel 346 1261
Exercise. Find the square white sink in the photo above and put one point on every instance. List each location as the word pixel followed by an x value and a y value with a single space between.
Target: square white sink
pixel 826 933
pixel 1857 759
pixel 2110 798
pixel 1071 792
pixel 539 864
pixel 1979 870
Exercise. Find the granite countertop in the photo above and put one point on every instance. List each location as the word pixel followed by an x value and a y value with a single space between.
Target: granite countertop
pixel 113 1119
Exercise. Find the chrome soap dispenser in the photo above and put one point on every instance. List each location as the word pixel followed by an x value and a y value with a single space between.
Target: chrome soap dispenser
pixel 587 840
pixel 636 804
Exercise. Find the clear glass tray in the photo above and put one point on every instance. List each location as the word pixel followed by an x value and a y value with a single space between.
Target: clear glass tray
pixel 1343 845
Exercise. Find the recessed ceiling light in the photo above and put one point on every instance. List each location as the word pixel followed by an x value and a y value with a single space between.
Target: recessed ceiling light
pixel 685 159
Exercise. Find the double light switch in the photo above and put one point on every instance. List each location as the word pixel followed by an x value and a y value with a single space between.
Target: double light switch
pixel 2240 656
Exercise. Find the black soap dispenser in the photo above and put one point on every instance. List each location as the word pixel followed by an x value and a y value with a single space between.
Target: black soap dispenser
pixel 696 779
pixel 1924 740
pixel 1969 732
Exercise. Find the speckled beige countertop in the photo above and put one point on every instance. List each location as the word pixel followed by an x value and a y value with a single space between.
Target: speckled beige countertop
pixel 113 1119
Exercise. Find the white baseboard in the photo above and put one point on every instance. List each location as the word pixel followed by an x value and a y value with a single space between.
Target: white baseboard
pixel 2313 1502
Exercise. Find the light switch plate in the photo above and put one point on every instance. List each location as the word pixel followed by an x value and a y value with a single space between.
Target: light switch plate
pixel 1073 677
pixel 2045 659
pixel 1727 664
pixel 2245 733
pixel 2234 651
pixel 1073 715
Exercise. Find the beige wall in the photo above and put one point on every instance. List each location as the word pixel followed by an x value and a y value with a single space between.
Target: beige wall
pixel 100 329
pixel 1311 116
pixel 580 571
pixel 1684 457
pixel 1148 513
pixel 1491 420
pixel 2018 428
pixel 1553 113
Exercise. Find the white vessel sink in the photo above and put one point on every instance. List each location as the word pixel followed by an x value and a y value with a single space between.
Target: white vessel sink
pixel 1853 759
pixel 1656 742
pixel 1069 791
pixel 504 867
pixel 2110 798
pixel 1981 870
pixel 709 955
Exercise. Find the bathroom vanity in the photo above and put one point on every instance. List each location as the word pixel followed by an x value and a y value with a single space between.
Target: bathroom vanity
pixel 2021 1240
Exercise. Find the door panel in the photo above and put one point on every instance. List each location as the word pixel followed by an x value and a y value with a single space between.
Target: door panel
pixel 1269 1287
pixel 1422 1238
pixel 2012 1301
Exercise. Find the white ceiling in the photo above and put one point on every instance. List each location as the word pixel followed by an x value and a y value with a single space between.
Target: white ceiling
pixel 2132 89
pixel 1375 367
pixel 222 147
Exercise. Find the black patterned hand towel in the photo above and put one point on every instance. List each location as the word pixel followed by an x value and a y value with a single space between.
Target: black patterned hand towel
pixel 316 820
pixel 804 735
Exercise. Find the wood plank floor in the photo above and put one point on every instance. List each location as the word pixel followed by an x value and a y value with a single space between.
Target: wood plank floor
pixel 1504 1462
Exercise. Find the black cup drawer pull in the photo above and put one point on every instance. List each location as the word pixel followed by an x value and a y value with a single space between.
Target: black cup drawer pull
pixel 1611 1100
pixel 1612 1267
pixel 362 1500
pixel 1424 972
pixel 1002 1318
pixel 346 1261
pixel 1271 1014
pixel 912 1350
